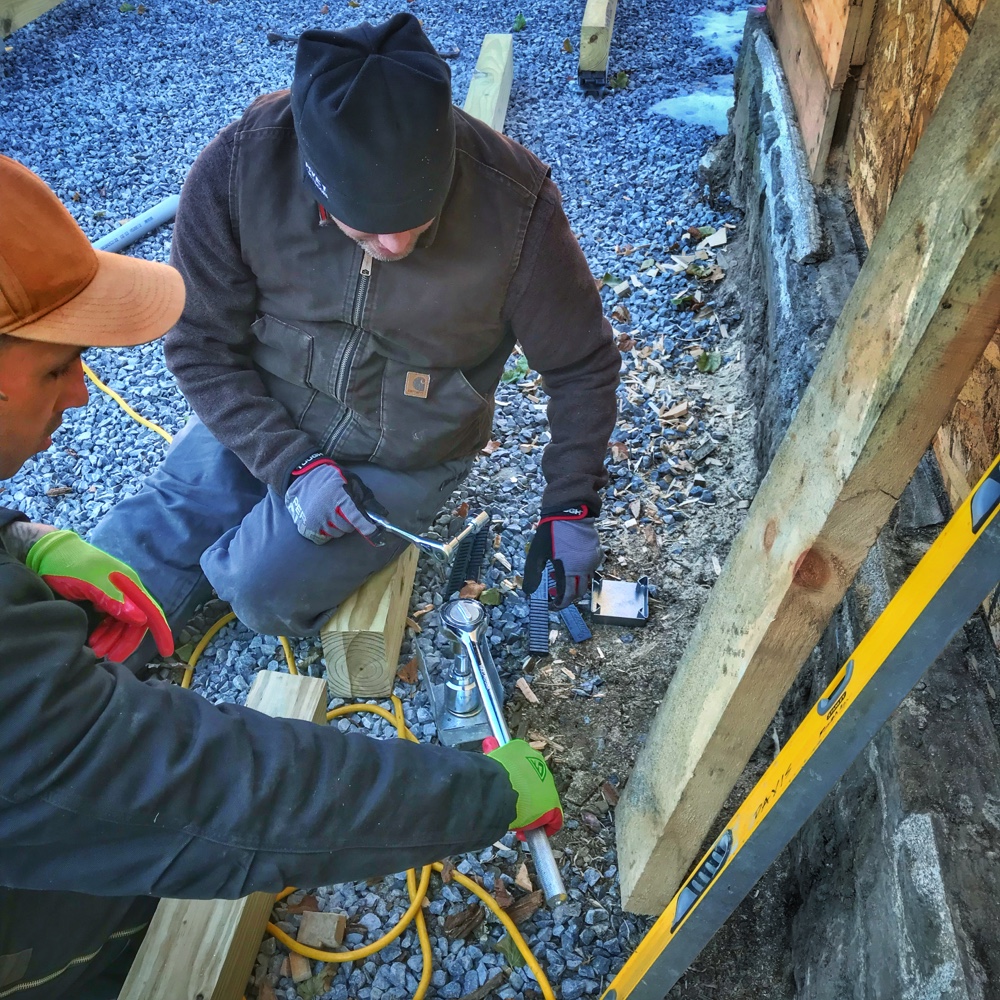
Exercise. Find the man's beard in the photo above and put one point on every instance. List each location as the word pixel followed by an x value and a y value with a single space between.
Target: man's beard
pixel 381 254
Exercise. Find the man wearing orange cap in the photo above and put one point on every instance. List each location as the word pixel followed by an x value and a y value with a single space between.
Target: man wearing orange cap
pixel 114 791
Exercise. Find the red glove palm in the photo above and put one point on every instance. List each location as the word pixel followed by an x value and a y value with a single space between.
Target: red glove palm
pixel 78 571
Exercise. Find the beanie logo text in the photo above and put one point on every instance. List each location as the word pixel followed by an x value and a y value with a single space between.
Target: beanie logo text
pixel 320 186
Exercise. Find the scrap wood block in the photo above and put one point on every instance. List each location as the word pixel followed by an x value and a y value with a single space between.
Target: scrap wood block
pixel 489 90
pixel 361 640
pixel 595 41
pixel 206 948
pixel 16 14
pixel 322 929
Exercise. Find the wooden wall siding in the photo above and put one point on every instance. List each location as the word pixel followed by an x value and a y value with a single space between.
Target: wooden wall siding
pixel 914 48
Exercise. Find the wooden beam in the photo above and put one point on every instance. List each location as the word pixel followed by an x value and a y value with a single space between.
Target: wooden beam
pixel 595 40
pixel 489 91
pixel 816 101
pixel 16 14
pixel 840 29
pixel 361 641
pixel 922 310
pixel 206 949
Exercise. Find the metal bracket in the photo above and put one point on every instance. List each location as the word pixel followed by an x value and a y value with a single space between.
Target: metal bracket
pixel 619 602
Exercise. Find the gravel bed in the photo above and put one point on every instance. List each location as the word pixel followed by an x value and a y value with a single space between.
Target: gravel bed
pixel 111 104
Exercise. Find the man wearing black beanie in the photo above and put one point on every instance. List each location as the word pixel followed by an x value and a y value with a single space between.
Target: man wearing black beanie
pixel 360 259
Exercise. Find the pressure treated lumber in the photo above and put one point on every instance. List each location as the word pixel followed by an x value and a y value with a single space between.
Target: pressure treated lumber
pixel 595 37
pixel 205 949
pixel 922 310
pixel 489 91
pixel 361 640
pixel 16 14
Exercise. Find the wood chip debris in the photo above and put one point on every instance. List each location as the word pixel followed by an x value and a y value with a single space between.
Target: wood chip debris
pixel 522 880
pixel 464 923
pixel 525 688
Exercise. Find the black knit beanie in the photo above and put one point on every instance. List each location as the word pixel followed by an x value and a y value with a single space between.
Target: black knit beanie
pixel 373 117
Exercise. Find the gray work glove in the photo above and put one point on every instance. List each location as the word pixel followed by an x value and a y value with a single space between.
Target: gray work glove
pixel 566 537
pixel 326 502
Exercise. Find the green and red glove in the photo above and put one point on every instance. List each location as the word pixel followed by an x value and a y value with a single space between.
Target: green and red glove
pixel 78 571
pixel 538 802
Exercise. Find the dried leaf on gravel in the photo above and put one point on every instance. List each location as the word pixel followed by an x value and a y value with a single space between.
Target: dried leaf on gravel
pixel 621 314
pixel 625 342
pixel 465 922
pixel 490 447
pixel 58 491
pixel 619 451
pixel 709 362
pixel 510 951
pixel 520 23
pixel 462 510
pixel 472 589
pixel 501 895
pixel 567 45
pixel 491 597
pixel 610 794
pixel 526 906
pixel 407 673
pixel 447 867
pixel 325 9
pixel 591 821
pixel 305 905
pixel 316 986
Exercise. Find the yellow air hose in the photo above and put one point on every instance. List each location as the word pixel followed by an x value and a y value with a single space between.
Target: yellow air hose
pixel 417 889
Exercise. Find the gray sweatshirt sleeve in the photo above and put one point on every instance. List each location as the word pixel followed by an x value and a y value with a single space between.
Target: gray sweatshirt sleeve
pixel 554 309
pixel 115 787
pixel 208 351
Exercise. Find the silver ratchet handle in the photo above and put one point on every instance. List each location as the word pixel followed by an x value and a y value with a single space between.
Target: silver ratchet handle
pixel 443 550
pixel 537 840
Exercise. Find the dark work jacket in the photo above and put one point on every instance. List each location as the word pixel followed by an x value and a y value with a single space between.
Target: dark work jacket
pixel 114 790
pixel 293 338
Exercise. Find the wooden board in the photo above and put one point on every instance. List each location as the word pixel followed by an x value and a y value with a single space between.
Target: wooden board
pixel 16 14
pixel 840 29
pixel 595 35
pixel 205 949
pixel 924 307
pixel 816 101
pixel 489 90
pixel 361 641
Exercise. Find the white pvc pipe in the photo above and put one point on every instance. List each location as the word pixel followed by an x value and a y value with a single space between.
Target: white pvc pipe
pixel 140 226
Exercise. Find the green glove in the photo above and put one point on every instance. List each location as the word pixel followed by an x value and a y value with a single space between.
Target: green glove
pixel 538 802
pixel 78 571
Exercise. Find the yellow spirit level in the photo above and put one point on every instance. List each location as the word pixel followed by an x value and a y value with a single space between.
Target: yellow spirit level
pixel 952 579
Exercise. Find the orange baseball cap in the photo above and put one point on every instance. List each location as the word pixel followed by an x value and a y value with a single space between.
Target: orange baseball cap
pixel 55 287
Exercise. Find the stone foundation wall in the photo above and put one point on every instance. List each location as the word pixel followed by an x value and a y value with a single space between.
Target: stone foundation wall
pixel 895 887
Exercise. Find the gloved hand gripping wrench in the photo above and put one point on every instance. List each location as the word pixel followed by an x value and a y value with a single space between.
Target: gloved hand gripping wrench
pixel 466 620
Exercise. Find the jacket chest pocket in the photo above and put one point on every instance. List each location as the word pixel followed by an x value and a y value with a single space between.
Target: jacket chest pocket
pixel 429 415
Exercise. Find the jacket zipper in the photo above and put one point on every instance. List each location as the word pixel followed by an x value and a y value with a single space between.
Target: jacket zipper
pixel 357 315
pixel 79 960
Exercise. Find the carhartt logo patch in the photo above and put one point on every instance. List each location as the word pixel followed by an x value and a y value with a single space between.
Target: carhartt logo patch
pixel 417 384
pixel 538 766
